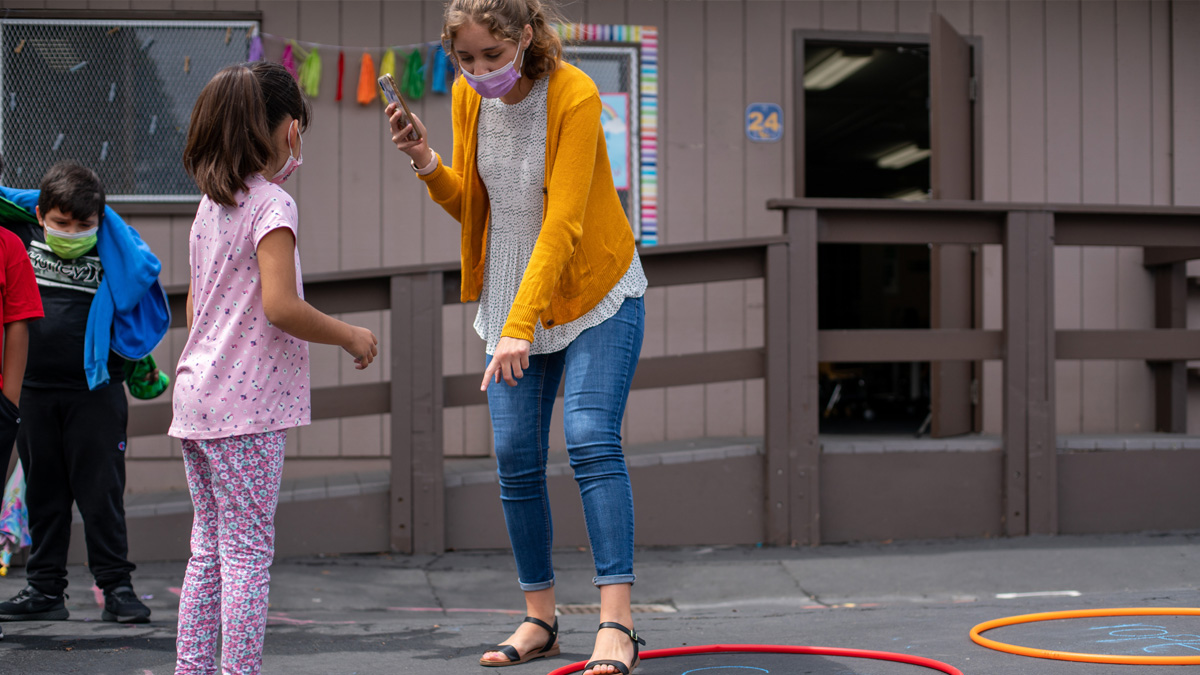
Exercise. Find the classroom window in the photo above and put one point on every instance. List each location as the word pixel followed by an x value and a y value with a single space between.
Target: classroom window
pixel 115 96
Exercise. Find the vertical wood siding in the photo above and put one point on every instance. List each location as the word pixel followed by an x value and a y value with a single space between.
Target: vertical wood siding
pixel 1185 91
pixel 724 194
pixel 1081 101
pixel 647 409
pixel 1135 131
pixel 1064 161
pixel 682 147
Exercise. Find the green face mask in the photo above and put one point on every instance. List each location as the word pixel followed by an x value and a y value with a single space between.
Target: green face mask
pixel 70 245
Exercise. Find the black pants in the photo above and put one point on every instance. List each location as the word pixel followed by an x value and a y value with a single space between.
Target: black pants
pixel 72 446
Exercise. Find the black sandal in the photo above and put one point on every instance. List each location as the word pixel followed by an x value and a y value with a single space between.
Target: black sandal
pixel 515 658
pixel 621 667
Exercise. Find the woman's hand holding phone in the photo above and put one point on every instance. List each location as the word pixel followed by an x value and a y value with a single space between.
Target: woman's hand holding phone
pixel 401 130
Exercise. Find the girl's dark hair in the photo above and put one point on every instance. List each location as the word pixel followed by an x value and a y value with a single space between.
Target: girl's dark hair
pixel 229 137
pixel 73 189
pixel 506 20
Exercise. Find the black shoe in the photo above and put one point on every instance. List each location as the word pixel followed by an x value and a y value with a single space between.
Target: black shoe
pixel 621 667
pixel 122 605
pixel 32 605
pixel 551 647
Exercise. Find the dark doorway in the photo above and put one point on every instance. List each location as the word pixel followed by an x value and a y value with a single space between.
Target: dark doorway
pixel 866 118
pixel 873 287
pixel 866 114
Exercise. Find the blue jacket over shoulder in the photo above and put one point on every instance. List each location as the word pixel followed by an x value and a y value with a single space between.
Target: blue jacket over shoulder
pixel 129 313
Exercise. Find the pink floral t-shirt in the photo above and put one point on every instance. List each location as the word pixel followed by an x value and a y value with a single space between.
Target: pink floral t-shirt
pixel 238 374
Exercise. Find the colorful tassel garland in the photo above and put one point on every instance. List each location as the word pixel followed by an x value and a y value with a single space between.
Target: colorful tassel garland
pixel 387 66
pixel 256 48
pixel 341 74
pixel 442 71
pixel 310 73
pixel 288 59
pixel 367 84
pixel 388 63
pixel 412 85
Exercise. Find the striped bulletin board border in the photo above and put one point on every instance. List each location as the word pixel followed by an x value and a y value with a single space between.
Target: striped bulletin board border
pixel 646 37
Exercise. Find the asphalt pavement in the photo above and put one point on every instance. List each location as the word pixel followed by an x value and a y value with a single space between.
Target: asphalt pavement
pixel 353 615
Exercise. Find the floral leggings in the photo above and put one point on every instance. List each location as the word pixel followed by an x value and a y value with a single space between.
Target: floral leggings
pixel 235 488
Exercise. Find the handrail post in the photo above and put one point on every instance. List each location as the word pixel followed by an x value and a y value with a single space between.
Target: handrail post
pixel 403 354
pixel 1030 440
pixel 1170 377
pixel 417 506
pixel 804 447
pixel 429 508
pixel 1042 439
pixel 778 398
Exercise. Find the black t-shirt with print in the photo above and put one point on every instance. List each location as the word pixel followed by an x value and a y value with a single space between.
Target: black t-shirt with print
pixel 56 341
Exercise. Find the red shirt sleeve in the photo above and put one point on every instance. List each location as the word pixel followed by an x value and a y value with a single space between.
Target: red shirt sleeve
pixel 22 299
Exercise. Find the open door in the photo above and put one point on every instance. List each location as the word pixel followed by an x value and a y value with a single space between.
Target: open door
pixel 952 276
pixel 890 116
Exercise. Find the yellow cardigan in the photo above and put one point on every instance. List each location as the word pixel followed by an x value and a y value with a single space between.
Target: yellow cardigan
pixel 585 245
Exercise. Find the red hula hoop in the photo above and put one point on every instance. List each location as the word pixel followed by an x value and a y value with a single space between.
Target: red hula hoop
pixel 781 649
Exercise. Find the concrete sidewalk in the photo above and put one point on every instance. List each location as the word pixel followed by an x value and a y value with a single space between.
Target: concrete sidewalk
pixel 421 614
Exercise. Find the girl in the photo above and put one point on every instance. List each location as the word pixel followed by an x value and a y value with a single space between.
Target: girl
pixel 242 379
pixel 548 252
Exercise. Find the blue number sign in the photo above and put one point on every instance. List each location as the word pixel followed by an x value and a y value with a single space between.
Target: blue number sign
pixel 764 122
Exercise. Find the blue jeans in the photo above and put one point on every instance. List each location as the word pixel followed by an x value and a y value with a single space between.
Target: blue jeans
pixel 598 366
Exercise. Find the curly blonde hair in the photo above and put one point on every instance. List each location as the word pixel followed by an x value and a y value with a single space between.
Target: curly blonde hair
pixel 506 20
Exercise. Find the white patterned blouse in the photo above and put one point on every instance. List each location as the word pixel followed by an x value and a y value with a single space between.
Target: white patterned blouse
pixel 512 164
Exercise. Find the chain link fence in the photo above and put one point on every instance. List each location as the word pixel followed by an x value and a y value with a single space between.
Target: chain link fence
pixel 115 96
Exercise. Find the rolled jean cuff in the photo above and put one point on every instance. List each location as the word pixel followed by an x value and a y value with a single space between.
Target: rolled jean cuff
pixel 614 579
pixel 538 586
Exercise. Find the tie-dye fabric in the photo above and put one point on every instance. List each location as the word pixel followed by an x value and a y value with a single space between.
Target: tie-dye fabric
pixel 238 374
pixel 235 487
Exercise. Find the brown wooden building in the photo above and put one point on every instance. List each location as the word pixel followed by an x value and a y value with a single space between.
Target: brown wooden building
pixel 1075 108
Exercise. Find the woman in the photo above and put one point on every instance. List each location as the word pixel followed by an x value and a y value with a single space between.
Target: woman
pixel 548 252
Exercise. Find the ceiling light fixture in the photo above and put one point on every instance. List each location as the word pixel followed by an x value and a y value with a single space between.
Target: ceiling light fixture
pixel 902 156
pixel 831 71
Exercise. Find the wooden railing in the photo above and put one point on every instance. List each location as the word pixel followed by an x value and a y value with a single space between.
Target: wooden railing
pixel 1028 345
pixel 417 390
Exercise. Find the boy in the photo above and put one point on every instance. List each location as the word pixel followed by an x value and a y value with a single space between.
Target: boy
pixel 19 302
pixel 72 437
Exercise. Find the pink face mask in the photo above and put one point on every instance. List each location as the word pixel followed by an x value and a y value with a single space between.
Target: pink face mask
pixel 498 82
pixel 292 163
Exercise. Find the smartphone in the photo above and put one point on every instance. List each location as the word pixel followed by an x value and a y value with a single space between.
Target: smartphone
pixel 390 91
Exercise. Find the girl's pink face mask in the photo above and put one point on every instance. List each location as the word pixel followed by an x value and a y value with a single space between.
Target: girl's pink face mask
pixel 292 163
pixel 498 82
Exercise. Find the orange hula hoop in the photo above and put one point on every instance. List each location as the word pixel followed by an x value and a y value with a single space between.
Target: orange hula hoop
pixel 1084 614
